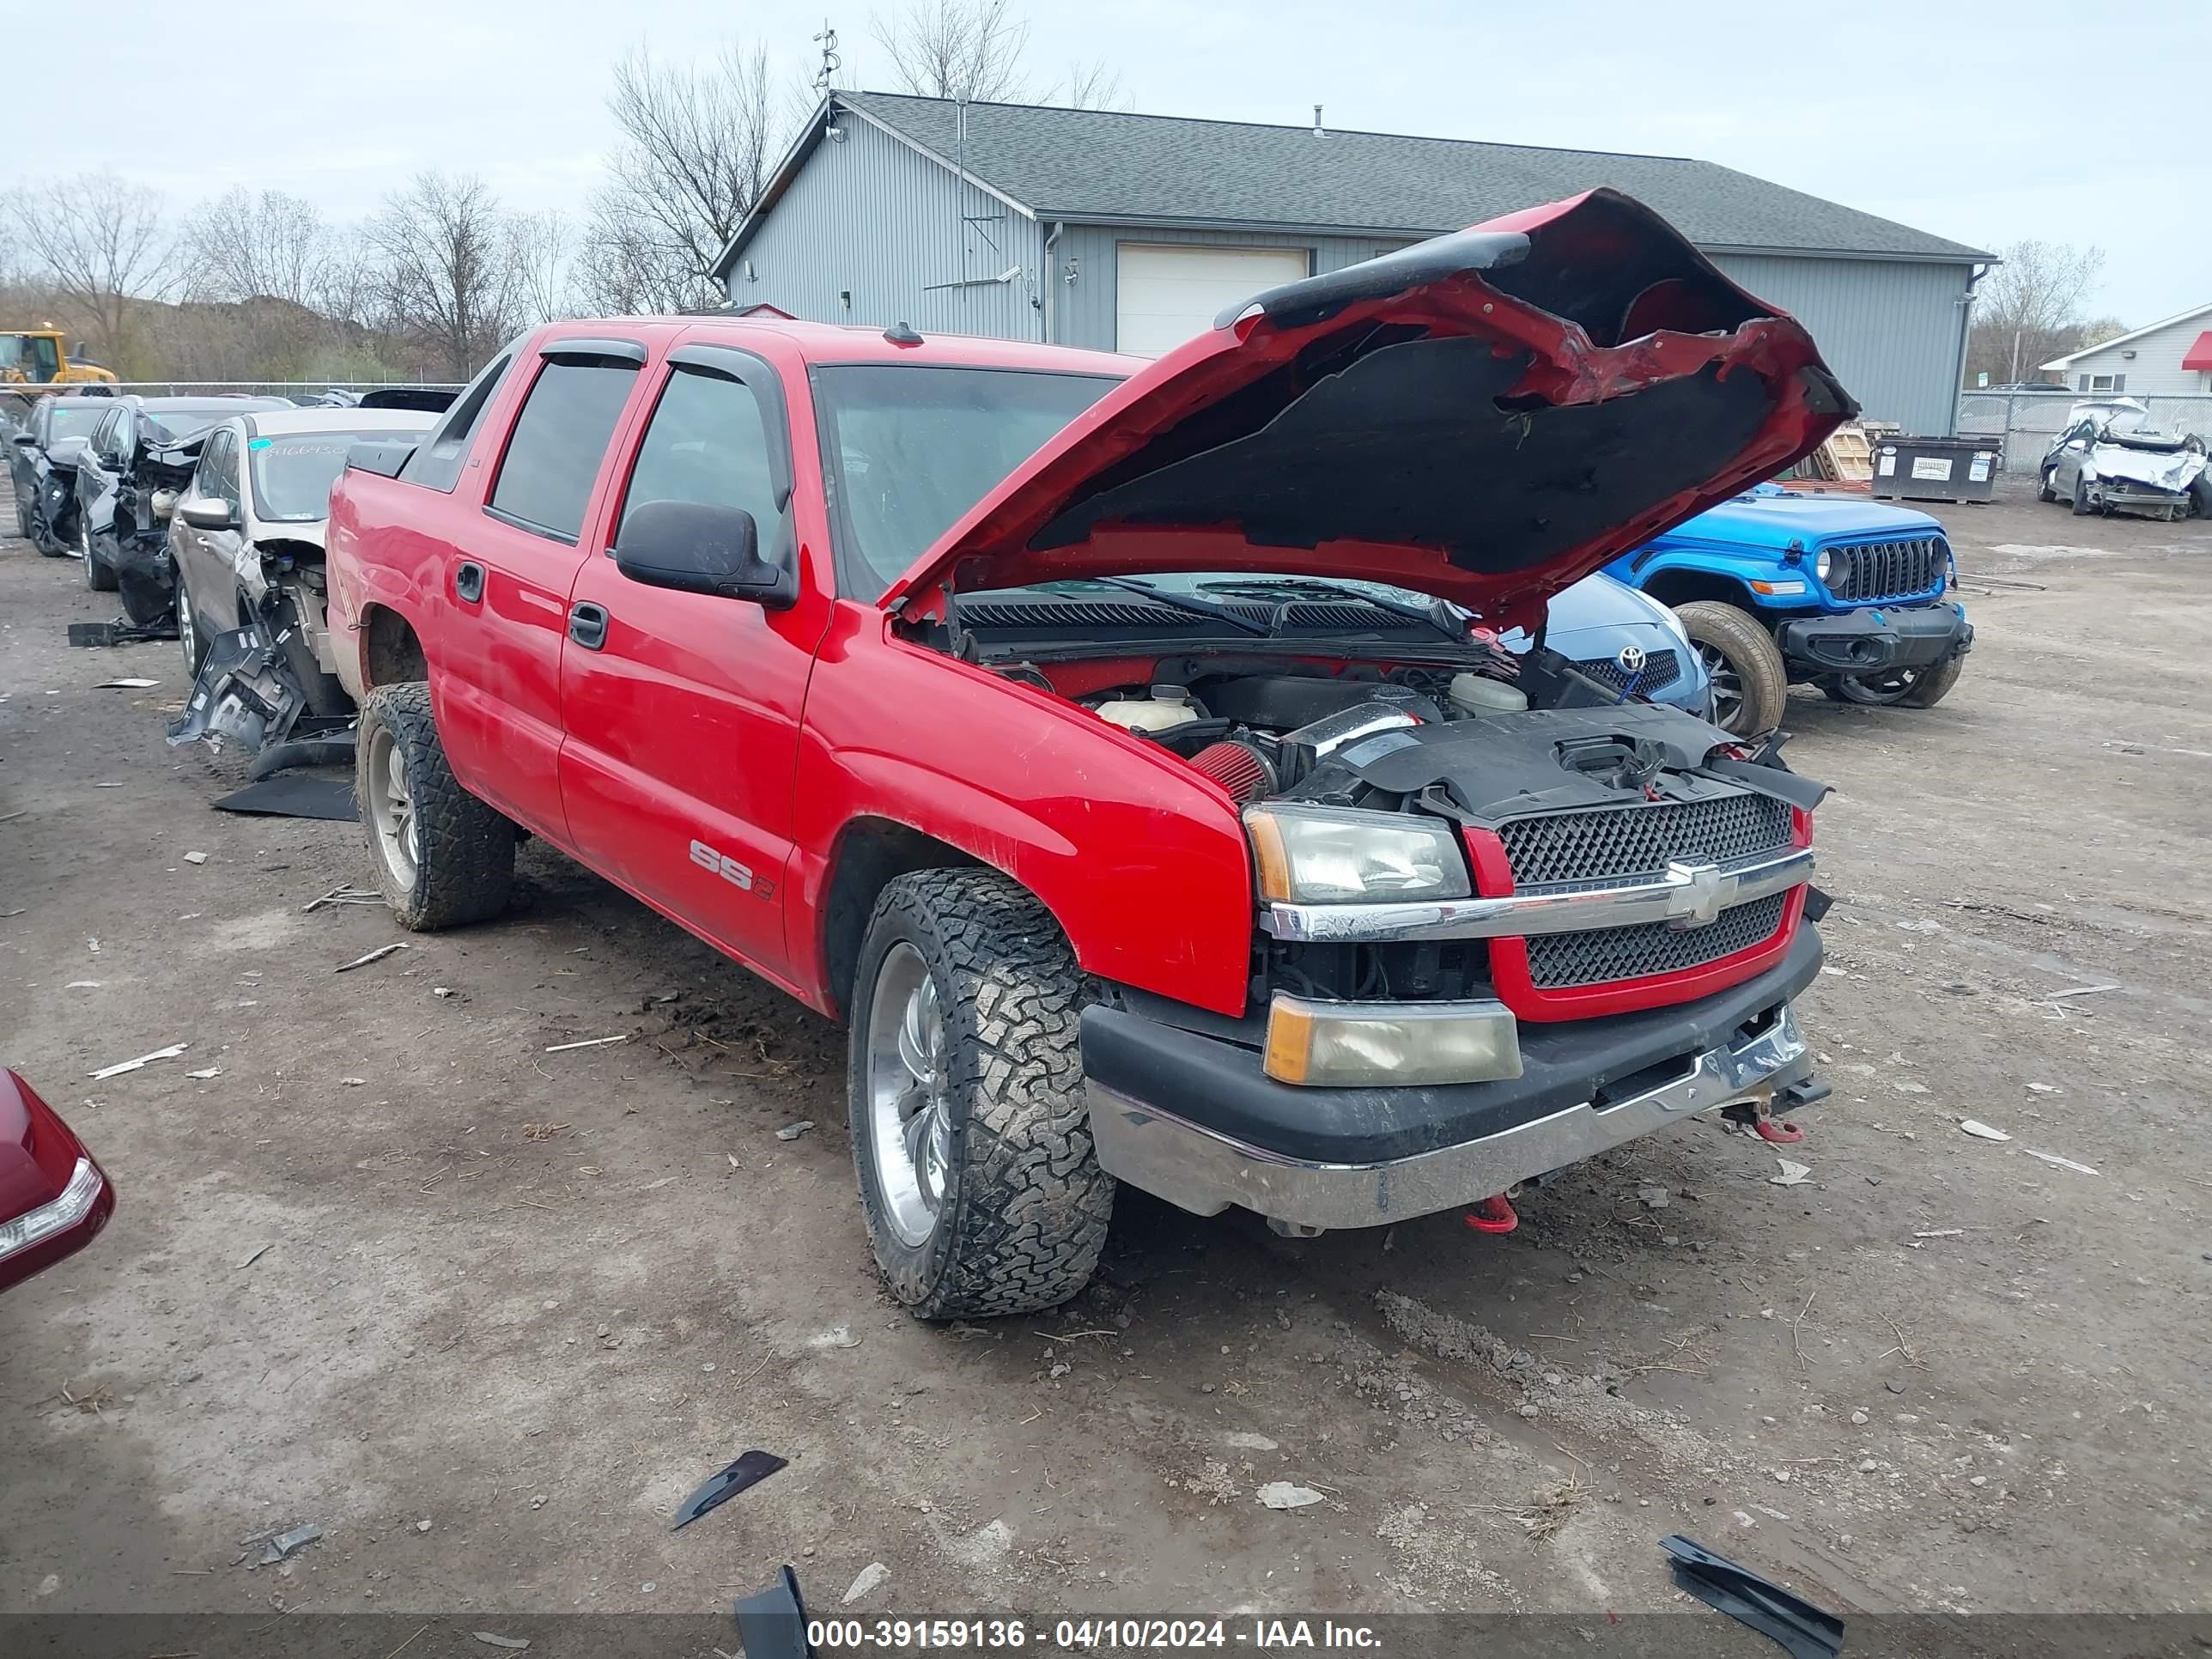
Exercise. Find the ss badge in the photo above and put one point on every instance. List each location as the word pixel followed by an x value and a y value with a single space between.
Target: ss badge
pixel 721 865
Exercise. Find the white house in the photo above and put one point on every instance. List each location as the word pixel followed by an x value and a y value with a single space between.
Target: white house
pixel 2168 359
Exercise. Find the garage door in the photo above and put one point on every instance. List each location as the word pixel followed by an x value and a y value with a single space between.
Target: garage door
pixel 1164 294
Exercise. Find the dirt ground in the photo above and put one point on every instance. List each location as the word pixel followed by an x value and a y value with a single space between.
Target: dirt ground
pixel 484 1312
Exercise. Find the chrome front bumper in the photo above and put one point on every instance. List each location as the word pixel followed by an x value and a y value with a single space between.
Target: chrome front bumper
pixel 1205 1172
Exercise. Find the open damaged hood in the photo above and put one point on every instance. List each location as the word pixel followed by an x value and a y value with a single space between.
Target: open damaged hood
pixel 1487 416
pixel 2162 463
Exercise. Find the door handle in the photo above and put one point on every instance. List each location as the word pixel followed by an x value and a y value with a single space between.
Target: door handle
pixel 588 625
pixel 469 581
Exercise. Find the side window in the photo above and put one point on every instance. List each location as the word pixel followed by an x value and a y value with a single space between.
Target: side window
pixel 707 442
pixel 437 461
pixel 553 454
pixel 219 467
pixel 103 440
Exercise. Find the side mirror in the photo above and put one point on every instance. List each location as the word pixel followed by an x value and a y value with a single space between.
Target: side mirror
pixel 24 439
pixel 697 549
pixel 207 513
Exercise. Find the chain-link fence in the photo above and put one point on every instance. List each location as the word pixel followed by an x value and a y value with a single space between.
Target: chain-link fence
pixel 2027 422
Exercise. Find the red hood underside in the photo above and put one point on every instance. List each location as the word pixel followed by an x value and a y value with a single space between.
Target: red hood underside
pixel 1487 416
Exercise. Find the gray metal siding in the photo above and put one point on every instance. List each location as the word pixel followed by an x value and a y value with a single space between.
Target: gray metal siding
pixel 2153 369
pixel 1086 310
pixel 1891 330
pixel 872 217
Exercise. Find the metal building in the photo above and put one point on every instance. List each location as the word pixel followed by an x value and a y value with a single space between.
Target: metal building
pixel 1100 228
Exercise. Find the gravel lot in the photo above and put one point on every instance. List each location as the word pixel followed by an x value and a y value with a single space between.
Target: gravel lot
pixel 484 1313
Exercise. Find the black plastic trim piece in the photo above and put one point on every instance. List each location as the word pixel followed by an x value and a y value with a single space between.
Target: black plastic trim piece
pixel 1804 1630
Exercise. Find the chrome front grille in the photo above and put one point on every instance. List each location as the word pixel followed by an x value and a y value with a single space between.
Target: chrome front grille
pixel 1866 571
pixel 1616 842
pixel 1559 960
pixel 1661 669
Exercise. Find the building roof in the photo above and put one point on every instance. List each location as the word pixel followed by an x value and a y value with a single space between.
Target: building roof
pixel 2132 334
pixel 1109 165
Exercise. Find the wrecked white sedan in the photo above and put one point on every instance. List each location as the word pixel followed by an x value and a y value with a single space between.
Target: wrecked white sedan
pixel 2111 458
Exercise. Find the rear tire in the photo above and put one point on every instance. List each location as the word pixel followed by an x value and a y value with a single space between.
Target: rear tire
pixel 970 1135
pixel 442 857
pixel 1751 683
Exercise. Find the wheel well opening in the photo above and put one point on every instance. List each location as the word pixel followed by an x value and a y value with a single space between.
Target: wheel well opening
pixel 872 854
pixel 1681 586
pixel 395 655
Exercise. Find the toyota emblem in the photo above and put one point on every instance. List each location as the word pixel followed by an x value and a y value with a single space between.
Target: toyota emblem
pixel 1631 659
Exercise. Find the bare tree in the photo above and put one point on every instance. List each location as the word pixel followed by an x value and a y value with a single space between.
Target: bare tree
pixel 1090 85
pixel 539 246
pixel 2028 309
pixel 698 144
pixel 244 247
pixel 98 241
pixel 964 49
pixel 445 256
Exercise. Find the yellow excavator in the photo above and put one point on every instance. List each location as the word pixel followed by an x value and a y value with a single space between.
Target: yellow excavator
pixel 34 357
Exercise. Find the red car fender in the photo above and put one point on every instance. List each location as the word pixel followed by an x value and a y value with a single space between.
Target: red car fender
pixel 1142 861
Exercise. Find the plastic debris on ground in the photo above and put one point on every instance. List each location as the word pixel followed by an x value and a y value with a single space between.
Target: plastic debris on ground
pixel 1793 1174
pixel 296 795
pixel 870 1575
pixel 1288 1495
pixel 121 1066
pixel 1982 1131
pixel 2062 1163
pixel 490 1639
pixel 286 1543
pixel 792 1130
pixel 1651 1198
pixel 1804 1630
pixel 772 1623
pixel 131 685
pixel 723 1485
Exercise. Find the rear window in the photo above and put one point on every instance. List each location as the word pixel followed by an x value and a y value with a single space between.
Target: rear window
pixel 166 426
pixel 73 421
pixel 559 440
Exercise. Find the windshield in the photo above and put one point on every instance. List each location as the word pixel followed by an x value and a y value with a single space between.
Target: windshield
pixel 910 449
pixel 73 421
pixel 292 477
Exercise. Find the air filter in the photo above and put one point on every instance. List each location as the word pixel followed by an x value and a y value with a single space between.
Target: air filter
pixel 1240 770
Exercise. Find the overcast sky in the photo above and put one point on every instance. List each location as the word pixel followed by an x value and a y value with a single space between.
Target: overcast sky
pixel 1986 123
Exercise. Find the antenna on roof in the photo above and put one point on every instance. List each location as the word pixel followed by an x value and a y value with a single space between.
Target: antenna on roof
pixel 1318 133
pixel 825 78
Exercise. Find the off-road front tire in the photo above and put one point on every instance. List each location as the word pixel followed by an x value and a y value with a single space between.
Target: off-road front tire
pixel 1932 687
pixel 1751 683
pixel 1021 1207
pixel 442 857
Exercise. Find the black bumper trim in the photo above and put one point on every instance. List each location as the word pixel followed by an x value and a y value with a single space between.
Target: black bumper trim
pixel 1880 637
pixel 1220 1087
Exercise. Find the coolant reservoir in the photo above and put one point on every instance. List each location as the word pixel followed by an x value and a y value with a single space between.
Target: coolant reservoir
pixel 1478 694
pixel 1168 707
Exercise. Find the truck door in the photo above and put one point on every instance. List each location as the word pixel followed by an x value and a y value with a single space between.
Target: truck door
pixel 682 710
pixel 499 707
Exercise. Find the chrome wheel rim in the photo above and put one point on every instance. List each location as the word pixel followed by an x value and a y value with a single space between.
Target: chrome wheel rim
pixel 188 636
pixel 392 809
pixel 909 1112
pixel 1728 686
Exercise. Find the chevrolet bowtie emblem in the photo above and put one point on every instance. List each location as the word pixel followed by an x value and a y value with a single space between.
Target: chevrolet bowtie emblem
pixel 1697 900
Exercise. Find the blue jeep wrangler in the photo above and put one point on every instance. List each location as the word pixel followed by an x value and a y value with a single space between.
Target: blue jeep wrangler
pixel 1775 587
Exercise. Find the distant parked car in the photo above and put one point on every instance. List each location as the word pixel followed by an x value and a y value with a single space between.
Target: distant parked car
pixel 246 538
pixel 1778 588
pixel 42 458
pixel 2112 458
pixel 127 478
pixel 54 1197
pixel 424 399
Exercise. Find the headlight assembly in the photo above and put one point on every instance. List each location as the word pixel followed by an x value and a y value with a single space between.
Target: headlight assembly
pixel 1823 565
pixel 1331 855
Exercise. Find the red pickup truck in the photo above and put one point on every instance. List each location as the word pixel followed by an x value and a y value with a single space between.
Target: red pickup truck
pixel 1127 752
